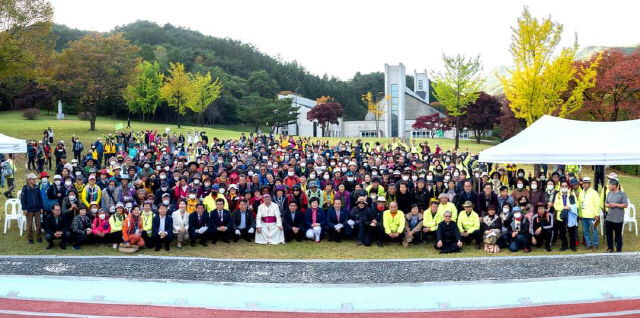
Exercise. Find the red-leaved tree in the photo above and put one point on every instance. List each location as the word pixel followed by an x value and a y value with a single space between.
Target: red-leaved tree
pixel 616 95
pixel 326 114
pixel 482 115
pixel 433 122
pixel 509 124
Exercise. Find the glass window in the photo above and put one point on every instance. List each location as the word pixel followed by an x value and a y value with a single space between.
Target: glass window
pixel 420 85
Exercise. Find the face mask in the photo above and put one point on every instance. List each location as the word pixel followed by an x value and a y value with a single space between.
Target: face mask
pixel 414 178
pixel 429 178
pixel 165 188
pixel 196 181
pixel 312 176
pixel 57 182
pixel 222 190
pixel 45 180
pixel 323 167
pixel 333 164
pixel 455 175
pixel 534 186
pixel 477 175
pixel 565 190
pixel 543 178
pixel 67 183
pixel 520 185
pixel 146 166
pixel 74 165
pixel 102 216
pixel 343 169
pixel 373 197
pixel 375 173
pixel 405 178
pixel 350 179
pixel 447 178
pixel 129 205
pixel 207 185
pixel 111 188
pixel 505 210
pixel 219 161
pixel 162 177
pixel 72 198
pixel 94 211
pixel 521 175
pixel 517 215
pixel 326 177
pixel 290 174
pixel 166 202
pixel 192 196
pixel 250 173
pixel 550 187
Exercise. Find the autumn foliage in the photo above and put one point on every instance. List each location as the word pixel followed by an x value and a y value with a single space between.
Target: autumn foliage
pixel 433 122
pixel 326 113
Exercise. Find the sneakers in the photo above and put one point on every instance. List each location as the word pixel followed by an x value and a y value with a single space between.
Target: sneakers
pixel 608 250
pixel 63 246
pixel 564 248
pixel 50 246
pixel 526 250
pixel 77 248
pixel 40 241
pixel 30 241
pixel 548 249
pixel 115 246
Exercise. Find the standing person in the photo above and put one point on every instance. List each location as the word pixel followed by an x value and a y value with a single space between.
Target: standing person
pixel 57 228
pixel 50 135
pixel 616 202
pixel 40 156
pixel 77 148
pixel 567 216
pixel 31 154
pixel 590 213
pixel 599 176
pixel 8 172
pixel 269 228
pixel 32 206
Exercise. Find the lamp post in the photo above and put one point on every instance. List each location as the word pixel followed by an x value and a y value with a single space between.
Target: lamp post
pixel 295 100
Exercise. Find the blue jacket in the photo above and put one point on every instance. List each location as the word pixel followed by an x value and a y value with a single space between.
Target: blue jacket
pixel 321 218
pixel 32 199
pixel 168 226
pixel 332 219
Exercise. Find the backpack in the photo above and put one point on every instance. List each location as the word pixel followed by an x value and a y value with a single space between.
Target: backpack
pixel 7 170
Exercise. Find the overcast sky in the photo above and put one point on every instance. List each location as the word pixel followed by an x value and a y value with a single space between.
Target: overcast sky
pixel 343 37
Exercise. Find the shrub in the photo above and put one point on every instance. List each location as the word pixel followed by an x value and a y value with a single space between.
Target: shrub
pixel 633 170
pixel 31 113
pixel 84 116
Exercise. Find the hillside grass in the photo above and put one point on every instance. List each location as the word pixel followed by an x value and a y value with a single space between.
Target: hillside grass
pixel 12 124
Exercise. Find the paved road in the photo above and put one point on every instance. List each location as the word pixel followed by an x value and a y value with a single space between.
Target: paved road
pixel 325 272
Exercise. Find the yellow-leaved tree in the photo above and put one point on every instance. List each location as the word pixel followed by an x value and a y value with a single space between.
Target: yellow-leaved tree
pixel 376 106
pixel 540 82
pixel 206 92
pixel 178 90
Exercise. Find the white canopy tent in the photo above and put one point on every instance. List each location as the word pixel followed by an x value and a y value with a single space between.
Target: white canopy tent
pixel 554 140
pixel 12 145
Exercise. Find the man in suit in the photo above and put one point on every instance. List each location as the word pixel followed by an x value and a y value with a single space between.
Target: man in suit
pixel 220 223
pixel 293 223
pixel 466 195
pixel 56 228
pixel 243 224
pixel 198 225
pixel 162 228
pixel 337 218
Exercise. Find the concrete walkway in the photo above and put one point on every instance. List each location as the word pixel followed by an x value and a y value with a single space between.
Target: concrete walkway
pixel 326 297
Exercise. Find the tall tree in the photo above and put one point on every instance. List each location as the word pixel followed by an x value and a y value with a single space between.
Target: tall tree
pixel 143 94
pixel 284 113
pixel 326 113
pixel 458 86
pixel 616 94
pixel 178 91
pixel 376 107
pixel 96 69
pixel 206 92
pixel 482 115
pixel 256 110
pixel 261 82
pixel 539 81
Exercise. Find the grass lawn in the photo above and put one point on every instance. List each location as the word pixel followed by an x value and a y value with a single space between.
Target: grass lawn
pixel 14 125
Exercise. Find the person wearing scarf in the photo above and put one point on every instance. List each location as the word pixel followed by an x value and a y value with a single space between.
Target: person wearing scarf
pixel 328 194
pixel 491 226
pixel 344 196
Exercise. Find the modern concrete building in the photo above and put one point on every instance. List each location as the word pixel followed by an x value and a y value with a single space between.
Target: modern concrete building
pixel 402 109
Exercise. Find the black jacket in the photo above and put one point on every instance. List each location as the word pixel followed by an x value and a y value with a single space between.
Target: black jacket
pixel 193 221
pixel 51 227
pixel 215 222
pixel 236 218
pixel 296 221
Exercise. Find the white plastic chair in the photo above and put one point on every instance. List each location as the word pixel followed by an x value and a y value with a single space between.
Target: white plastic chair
pixel 19 194
pixel 13 211
pixel 630 217
pixel 601 222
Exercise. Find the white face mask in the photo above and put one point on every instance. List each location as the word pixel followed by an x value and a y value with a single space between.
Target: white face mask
pixel 72 198
pixel 290 174
pixel 565 190
pixel 221 190
pixel 520 185
pixel 94 211
pixel 129 205
pixel 405 178
pixel 521 175
pixel 250 173
pixel 375 173
pixel 349 179
pixel 534 186
pixel 162 177
pixel 166 202
pixel 326 177
pixel 146 166
pixel 57 182
pixel 343 169
pixel 517 215
pixel 196 181
pixel 45 180
pixel 312 175
pixel 477 175
pixel 550 187
pixel 333 164
pixel 505 210
pixel 414 178
pixel 373 197
pixel 429 178
pixel 446 178
pixel 192 196
pixel 67 183
pixel 455 175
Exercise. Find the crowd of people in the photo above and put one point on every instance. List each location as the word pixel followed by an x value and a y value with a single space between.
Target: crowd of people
pixel 149 190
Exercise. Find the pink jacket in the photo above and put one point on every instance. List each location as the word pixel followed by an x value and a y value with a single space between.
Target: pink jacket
pixel 101 226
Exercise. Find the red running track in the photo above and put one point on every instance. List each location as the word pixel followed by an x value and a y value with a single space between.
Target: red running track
pixel 36 308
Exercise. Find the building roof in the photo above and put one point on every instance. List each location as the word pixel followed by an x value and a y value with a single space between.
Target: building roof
pixel 423 95
pixel 300 101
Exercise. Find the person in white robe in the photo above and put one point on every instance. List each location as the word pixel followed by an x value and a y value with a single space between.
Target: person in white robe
pixel 269 223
